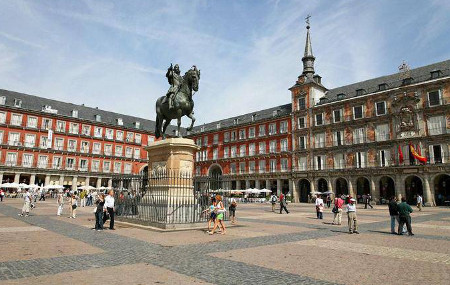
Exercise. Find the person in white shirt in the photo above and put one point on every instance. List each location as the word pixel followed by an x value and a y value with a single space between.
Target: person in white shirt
pixel 352 220
pixel 60 202
pixel 319 207
pixel 109 206
pixel 419 202
pixel 273 200
pixel 26 204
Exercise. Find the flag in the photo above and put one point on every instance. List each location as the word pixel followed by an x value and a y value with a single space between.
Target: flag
pixel 400 154
pixel 416 155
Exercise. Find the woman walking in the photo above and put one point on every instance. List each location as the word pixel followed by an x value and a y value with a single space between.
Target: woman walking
pixel 220 209
pixel 99 212
pixel 60 201
pixel 74 203
pixel 232 209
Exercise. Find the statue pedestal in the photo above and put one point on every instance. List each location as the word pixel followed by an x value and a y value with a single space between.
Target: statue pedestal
pixel 170 199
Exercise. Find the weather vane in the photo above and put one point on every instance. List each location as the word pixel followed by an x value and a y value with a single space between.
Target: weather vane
pixel 404 70
pixel 307 19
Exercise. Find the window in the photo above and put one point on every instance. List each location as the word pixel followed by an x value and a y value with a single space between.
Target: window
pixel 251 132
pixel 262 130
pixel 319 119
pixel 242 134
pixel 14 139
pixel 130 137
pixel 32 122
pixel 302 143
pixel 338 138
pixel 1 137
pixel 118 150
pixel 302 103
pixel 233 136
pixel 381 108
pixel 361 159
pixel 226 137
pixel 96 148
pixel 284 164
pixel 382 87
pixel 436 154
pixel 284 145
pixel 137 153
pixel 57 162
pixel 320 140
pixel 273 165
pixel 2 117
pixel 262 166
pixel 319 162
pixel 17 103
pixel 119 135
pixel 251 167
pixel 59 144
pixel 46 124
pixel 98 132
pixel 236 121
pixel 339 162
pixel 283 127
pixel 216 139
pixel 151 139
pixel 42 161
pixel 127 168
pixel 75 113
pixel 2 100
pixel 233 151
pixel 45 142
pixel 242 167
pixel 272 146
pixel 435 74
pixel 337 116
pixel 273 129
pixel 98 118
pixel 218 126
pixel 199 142
pixel 251 149
pixel 95 166
pixel 341 96
pixel 232 168
pixel 262 147
pixel 11 158
pixel 138 138
pixel 61 126
pixel 72 145
pixel 242 150
pixel 226 152
pixel 302 164
pixel 434 98
pixel 84 148
pixel 117 167
pixel 358 136
pixel 215 154
pixel 128 152
pixel 109 134
pixel 27 160
pixel 16 119
pixel 358 112
pixel 83 166
pixel 30 140
pixel 436 125
pixel 74 128
pixel 382 132
pixel 384 157
pixel 86 130
pixel 106 166
pixel 119 121
pixel 302 122
pixel 360 92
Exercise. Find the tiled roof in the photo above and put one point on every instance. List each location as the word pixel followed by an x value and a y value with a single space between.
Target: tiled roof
pixel 35 103
pixel 393 81
pixel 275 112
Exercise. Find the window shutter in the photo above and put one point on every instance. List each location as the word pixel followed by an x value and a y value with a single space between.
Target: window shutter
pixel 431 151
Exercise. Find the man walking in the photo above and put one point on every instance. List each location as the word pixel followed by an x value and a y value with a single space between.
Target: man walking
pixel 419 202
pixel 352 220
pixel 404 218
pixel 283 203
pixel 26 204
pixel 273 200
pixel 42 194
pixel 109 206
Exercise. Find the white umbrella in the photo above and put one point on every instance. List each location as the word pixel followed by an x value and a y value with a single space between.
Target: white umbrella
pixel 24 185
pixel 54 187
pixel 86 187
pixel 10 185
pixel 264 190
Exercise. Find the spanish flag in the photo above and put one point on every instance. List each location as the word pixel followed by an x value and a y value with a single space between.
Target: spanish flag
pixel 400 154
pixel 416 155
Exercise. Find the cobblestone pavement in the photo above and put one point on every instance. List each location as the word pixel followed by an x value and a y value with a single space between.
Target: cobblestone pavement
pixel 265 248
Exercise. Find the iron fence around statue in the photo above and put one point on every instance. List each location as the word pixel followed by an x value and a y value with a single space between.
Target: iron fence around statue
pixel 165 198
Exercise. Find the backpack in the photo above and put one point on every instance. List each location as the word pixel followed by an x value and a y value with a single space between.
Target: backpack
pixel 274 199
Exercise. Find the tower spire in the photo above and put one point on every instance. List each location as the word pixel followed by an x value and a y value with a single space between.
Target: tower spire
pixel 308 57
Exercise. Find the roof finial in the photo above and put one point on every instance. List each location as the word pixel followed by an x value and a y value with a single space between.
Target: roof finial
pixel 308 57
pixel 307 21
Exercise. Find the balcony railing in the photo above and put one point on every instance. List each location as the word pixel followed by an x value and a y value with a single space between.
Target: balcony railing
pixel 436 103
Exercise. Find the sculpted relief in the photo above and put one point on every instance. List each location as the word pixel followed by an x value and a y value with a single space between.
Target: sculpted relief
pixel 405 112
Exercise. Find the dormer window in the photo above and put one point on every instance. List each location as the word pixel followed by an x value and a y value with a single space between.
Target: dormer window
pixel 275 113
pixel 202 129
pixel 218 126
pixel 407 81
pixel 382 86
pixel 137 124
pixel 323 100
pixel 253 117
pixel 17 103
pixel 75 113
pixel 119 121
pixel 48 109
pixel 236 121
pixel 360 92
pixel 98 118
pixel 2 100
pixel 435 74
pixel 340 96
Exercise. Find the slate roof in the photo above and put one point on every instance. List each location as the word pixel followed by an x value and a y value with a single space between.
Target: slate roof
pixel 281 111
pixel 419 74
pixel 35 103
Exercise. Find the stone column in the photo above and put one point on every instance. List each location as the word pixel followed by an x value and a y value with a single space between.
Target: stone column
pixel 313 185
pixel 247 184
pixel 238 185
pixel 99 182
pixel 61 180
pixel 86 183
pixel 1 177
pixel 74 183
pixel 110 183
pixel 278 186
pixel 291 189
pixel 268 185
pixel 350 187
pixel 330 186
pixel 47 180
pixel 428 196
pixel 295 196
pixel 17 178
pixel 32 179
pixel 399 187
pixel 373 190
pixel 257 186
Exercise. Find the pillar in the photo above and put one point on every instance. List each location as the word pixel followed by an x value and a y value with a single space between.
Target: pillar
pixel 247 184
pixel 99 182
pixel 32 179
pixel 373 190
pixel 87 181
pixel 330 185
pixel 238 185
pixel 74 183
pixel 47 180
pixel 350 187
pixel 1 177
pixel 312 185
pixel 61 180
pixel 428 196
pixel 110 183
pixel 399 187
pixel 278 187
pixel 17 178
pixel 295 196
pixel 268 186
pixel 257 186
pixel 291 188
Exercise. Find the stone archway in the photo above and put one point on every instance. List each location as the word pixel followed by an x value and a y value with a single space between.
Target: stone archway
pixel 387 188
pixel 322 185
pixel 215 177
pixel 341 187
pixel 304 190
pixel 441 189
pixel 413 186
pixel 362 187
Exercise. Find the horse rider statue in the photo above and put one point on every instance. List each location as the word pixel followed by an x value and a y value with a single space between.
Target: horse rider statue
pixel 175 80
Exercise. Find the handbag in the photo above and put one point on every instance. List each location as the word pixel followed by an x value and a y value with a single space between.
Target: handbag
pixel 335 209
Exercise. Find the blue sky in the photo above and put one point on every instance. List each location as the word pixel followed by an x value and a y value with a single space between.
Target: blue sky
pixel 114 54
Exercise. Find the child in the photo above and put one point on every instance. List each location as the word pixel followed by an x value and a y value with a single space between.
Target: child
pixel 212 213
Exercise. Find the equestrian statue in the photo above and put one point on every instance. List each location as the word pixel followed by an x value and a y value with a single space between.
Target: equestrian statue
pixel 178 100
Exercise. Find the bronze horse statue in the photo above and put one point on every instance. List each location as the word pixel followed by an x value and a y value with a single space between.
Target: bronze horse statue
pixel 183 104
